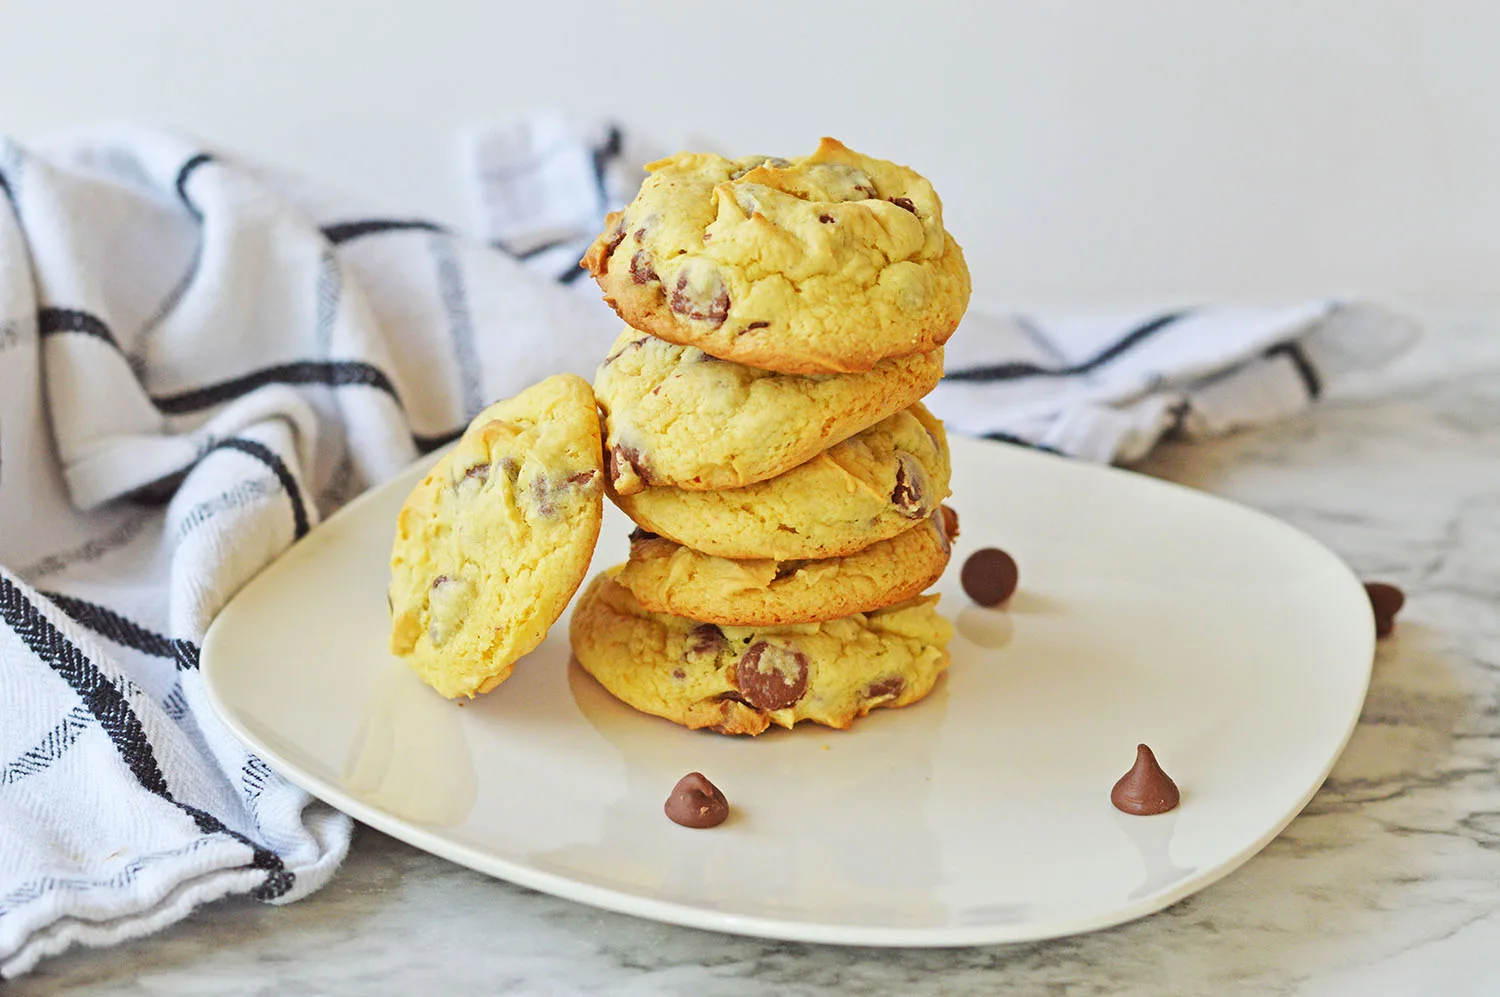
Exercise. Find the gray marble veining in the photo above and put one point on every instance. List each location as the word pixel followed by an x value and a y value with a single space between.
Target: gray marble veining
pixel 1389 883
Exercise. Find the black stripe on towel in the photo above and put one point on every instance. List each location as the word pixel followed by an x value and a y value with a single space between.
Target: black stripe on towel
pixel 1018 371
pixel 330 373
pixel 266 456
pixel 1293 351
pixel 333 373
pixel 111 709
pixel 52 321
pixel 183 175
pixel 534 251
pixel 1020 442
pixel 112 626
pixel 343 232
pixel 107 623
pixel 602 156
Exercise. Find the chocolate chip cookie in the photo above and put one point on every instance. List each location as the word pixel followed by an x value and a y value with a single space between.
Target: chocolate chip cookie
pixel 669 578
pixel 740 680
pixel 494 541
pixel 679 417
pixel 869 488
pixel 826 264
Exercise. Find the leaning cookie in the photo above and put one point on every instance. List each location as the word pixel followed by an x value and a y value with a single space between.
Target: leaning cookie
pixel 825 264
pixel 740 680
pixel 669 578
pixel 869 488
pixel 679 417
pixel 494 541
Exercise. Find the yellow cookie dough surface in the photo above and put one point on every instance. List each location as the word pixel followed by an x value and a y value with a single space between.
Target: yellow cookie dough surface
pixel 828 263
pixel 868 488
pixel 740 680
pixel 494 541
pixel 669 578
pixel 679 417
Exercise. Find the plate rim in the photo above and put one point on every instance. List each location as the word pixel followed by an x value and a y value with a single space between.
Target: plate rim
pixel 758 926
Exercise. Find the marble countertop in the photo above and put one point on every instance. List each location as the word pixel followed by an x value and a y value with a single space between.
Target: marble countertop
pixel 1389 882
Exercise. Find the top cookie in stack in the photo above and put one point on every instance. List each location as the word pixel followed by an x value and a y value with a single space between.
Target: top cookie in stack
pixel 823 265
pixel 763 427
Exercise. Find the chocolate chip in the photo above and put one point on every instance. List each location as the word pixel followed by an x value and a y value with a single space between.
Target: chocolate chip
pixel 625 461
pixel 989 576
pixel 757 325
pixel 826 219
pixel 941 522
pixel 1386 600
pixel 612 242
pixel 714 310
pixel 904 202
pixel 634 344
pixel 771 677
pixel 696 802
pixel 679 674
pixel 581 478
pixel 640 234
pixel 908 496
pixel 888 687
pixel 1145 790
pixel 479 472
pixel 706 638
pixel 638 535
pixel 543 492
pixel 641 270
pixel 439 580
pixel 950 523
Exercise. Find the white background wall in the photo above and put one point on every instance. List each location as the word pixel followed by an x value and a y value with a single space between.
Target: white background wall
pixel 1085 150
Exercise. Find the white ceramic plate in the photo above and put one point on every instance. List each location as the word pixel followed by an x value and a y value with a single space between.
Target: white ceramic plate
pixel 1235 646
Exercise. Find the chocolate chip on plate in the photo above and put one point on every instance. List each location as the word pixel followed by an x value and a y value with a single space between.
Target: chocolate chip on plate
pixel 989 576
pixel 1145 790
pixel 1387 601
pixel 696 802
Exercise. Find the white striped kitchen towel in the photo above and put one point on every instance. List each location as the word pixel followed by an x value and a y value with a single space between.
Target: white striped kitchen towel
pixel 201 357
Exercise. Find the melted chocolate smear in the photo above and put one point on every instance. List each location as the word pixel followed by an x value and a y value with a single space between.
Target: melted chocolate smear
pixel 907 496
pixel 1386 600
pixel 616 236
pixel 713 311
pixel 696 802
pixel 989 576
pixel 641 270
pixel 706 638
pixel 1145 790
pixel 622 457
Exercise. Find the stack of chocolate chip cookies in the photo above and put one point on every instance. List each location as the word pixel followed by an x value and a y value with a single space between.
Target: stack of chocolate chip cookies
pixel 763 427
